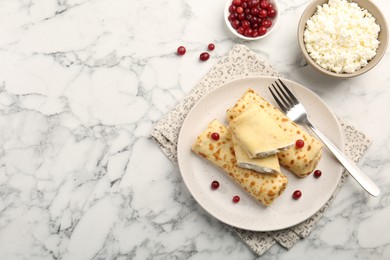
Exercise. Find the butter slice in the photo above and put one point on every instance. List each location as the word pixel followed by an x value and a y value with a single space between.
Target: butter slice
pixel 258 133
pixel 268 165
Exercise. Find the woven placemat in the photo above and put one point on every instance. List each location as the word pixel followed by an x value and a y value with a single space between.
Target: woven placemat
pixel 241 62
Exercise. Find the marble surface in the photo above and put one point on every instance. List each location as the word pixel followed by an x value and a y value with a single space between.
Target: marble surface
pixel 81 85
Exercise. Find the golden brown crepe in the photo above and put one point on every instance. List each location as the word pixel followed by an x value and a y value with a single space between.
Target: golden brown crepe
pixel 301 161
pixel 258 133
pixel 269 165
pixel 263 187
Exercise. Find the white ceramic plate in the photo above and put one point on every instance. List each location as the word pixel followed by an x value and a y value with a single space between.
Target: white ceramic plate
pixel 249 214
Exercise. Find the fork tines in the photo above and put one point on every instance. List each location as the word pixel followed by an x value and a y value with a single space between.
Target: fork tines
pixel 283 96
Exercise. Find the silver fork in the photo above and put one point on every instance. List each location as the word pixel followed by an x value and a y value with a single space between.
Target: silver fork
pixel 291 106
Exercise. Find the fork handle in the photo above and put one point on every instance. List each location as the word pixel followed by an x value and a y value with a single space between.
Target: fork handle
pixel 356 173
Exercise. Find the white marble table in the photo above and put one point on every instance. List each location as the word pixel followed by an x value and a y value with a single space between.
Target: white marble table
pixel 81 85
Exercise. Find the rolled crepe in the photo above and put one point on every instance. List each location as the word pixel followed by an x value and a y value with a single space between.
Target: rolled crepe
pixel 263 187
pixel 300 161
pixel 258 133
pixel 269 165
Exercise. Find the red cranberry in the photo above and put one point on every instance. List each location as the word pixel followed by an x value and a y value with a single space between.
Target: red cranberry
pixel 236 2
pixel 255 11
pixel 248 32
pixel 211 46
pixel 297 194
pixel 236 199
pixel 264 4
pixel 266 23
pixel 232 9
pixel 270 7
pixel 241 17
pixel 262 30
pixel 317 173
pixel 215 136
pixel 239 10
pixel 241 30
pixel 263 13
pixel 204 56
pixel 215 185
pixel 254 21
pixel 181 50
pixel 235 24
pixel 271 13
pixel 299 143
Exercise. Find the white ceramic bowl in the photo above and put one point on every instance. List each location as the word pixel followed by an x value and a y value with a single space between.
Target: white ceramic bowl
pixel 382 37
pixel 269 30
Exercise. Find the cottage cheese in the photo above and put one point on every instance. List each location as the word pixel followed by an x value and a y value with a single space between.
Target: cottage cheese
pixel 341 37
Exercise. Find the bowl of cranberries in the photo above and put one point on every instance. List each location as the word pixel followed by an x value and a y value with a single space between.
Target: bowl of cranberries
pixel 251 19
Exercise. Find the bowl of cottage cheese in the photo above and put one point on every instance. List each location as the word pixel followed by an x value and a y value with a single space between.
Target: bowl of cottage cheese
pixel 343 38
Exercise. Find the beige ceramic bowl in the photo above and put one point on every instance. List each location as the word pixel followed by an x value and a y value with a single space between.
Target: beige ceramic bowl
pixel 383 36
